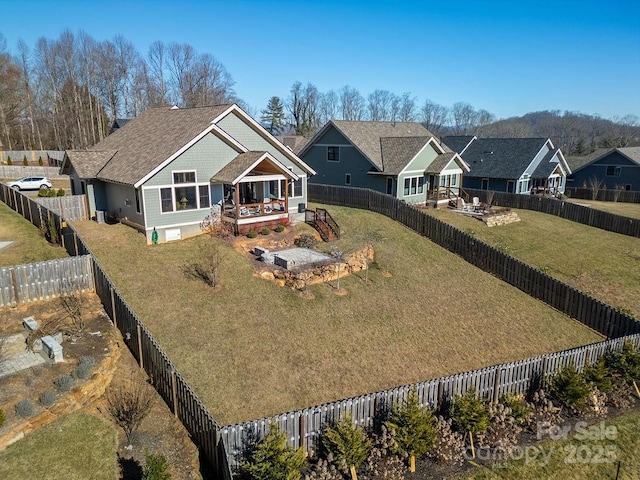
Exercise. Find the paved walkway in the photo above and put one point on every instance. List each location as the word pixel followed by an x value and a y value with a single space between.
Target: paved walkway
pixel 19 361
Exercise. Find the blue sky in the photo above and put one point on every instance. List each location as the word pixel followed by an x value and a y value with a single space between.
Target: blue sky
pixel 508 57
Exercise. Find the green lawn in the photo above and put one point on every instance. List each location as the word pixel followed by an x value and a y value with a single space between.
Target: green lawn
pixel 625 209
pixel 573 459
pixel 603 264
pixel 85 447
pixel 252 349
pixel 28 244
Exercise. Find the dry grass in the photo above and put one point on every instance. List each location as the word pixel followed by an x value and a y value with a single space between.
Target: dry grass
pixel 625 209
pixel 603 264
pixel 85 447
pixel 252 349
pixel 28 244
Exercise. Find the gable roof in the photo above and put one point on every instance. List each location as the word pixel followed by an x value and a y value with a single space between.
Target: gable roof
pixel 458 143
pixel 502 157
pixel 241 165
pixel 150 138
pixel 397 152
pixel 578 163
pixel 366 135
pixel 441 161
pixel 546 167
pixel 87 163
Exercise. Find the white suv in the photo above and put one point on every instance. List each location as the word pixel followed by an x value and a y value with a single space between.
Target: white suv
pixel 31 183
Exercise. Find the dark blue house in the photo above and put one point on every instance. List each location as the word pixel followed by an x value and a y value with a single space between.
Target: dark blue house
pixel 515 165
pixel 616 168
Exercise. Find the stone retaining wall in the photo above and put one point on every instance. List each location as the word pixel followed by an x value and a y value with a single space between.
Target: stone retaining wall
pixel 78 397
pixel 353 263
pixel 501 219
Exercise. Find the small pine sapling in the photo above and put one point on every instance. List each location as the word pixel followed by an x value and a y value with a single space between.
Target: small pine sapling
pixel 156 467
pixel 627 364
pixel 469 414
pixel 414 427
pixel 569 388
pixel 599 376
pixel 347 444
pixel 272 459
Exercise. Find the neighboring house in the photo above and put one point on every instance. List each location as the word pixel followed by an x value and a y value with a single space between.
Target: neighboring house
pixel 615 168
pixel 515 165
pixel 166 168
pixel 118 123
pixel 294 142
pixel 402 159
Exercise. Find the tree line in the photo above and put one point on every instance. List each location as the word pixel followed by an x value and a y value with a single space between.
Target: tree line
pixel 65 93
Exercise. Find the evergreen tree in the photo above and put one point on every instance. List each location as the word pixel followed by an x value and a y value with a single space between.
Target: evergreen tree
pixel 274 460
pixel 469 414
pixel 273 115
pixel 569 388
pixel 347 444
pixel 415 428
pixel 25 162
pixel 626 363
pixel 156 467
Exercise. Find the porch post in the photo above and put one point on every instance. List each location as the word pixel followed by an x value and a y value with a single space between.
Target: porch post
pixel 237 200
pixel 286 195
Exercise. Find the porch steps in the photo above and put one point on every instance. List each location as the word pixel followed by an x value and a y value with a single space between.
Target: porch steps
pixel 324 223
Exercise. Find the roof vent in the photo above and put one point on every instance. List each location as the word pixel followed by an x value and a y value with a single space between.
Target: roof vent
pixel 175 107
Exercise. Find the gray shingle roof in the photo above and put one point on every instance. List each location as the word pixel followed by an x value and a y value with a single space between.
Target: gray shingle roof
pixel 294 142
pixel 546 167
pixel 150 139
pixel 576 162
pixel 397 152
pixel 366 135
pixel 235 167
pixel 632 152
pixel 440 162
pixel 501 157
pixel 457 143
pixel 88 163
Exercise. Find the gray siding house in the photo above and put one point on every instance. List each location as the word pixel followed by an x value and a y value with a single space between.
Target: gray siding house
pixel 165 170
pixel 514 165
pixel 402 159
pixel 615 168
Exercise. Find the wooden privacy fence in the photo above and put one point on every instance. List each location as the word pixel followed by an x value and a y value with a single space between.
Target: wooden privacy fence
pixel 604 195
pixel 223 445
pixel 19 171
pixel 71 207
pixel 45 280
pixel 567 210
pixel 607 320
pixel 303 427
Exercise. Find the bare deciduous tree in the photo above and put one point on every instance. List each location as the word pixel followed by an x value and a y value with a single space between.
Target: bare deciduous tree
pixel 303 106
pixel 379 105
pixel 434 116
pixel 352 103
pixel 129 403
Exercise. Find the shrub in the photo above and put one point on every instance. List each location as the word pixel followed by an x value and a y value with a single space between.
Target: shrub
pixel 569 389
pixel 25 162
pixel 383 461
pixel 272 459
pixel 40 162
pixel 469 414
pixel 43 192
pixel 347 444
pixel 626 363
pixel 252 234
pixel 414 427
pixel 84 368
pixel 279 228
pixel 501 436
pixel 323 470
pixel 48 398
pixel 2 417
pixel 9 161
pixel 30 381
pixel 543 411
pixel 63 383
pixel 265 231
pixel 24 408
pixel 449 445
pixel 520 410
pixel 598 375
pixel 60 192
pixel 156 467
pixel 129 403
pixel 305 240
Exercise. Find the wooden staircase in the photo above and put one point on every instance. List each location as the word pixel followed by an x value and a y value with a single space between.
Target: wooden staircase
pixel 324 223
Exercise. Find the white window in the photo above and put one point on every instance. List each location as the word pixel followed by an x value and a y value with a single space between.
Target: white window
pixel 185 194
pixel 413 186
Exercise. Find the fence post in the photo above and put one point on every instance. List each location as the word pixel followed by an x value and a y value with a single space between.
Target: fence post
pixel 75 241
pixel 113 306
pixel 14 282
pixel 496 385
pixel 140 345
pixel 174 391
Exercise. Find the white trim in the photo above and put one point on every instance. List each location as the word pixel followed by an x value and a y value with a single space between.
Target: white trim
pixel 184 171
pixel 262 218
pixel 266 135
pixel 173 225
pixel 197 138
pixel 467 145
pixel 267 156
pixel 425 181
pixel 261 178
pixel 412 171
pixel 333 145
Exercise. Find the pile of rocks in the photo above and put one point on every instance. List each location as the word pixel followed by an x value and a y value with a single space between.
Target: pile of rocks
pixel 501 219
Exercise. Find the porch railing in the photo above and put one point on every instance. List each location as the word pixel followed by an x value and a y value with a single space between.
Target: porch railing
pixel 249 210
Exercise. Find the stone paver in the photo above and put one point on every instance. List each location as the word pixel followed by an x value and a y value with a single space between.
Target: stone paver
pixel 20 362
